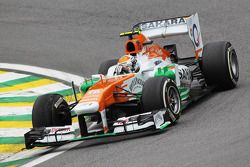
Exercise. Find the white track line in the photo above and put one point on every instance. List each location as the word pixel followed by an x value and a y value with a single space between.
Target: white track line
pixel 11 76
pixel 43 71
pixel 13 132
pixel 57 152
pixel 26 154
pixel 37 90
pixel 13 111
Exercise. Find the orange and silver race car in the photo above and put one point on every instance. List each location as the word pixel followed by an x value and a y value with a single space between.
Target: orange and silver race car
pixel 146 89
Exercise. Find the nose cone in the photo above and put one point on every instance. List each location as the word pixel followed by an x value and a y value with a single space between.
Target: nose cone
pixel 86 108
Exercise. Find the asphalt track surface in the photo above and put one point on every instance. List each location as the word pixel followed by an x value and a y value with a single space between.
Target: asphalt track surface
pixel 77 35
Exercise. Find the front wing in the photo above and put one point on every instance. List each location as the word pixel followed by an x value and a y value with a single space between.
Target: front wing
pixel 53 136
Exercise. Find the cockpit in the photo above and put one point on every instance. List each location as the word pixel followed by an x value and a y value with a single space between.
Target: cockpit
pixel 139 50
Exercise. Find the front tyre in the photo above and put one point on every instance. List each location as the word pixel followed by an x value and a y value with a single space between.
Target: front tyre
pixel 50 110
pixel 161 93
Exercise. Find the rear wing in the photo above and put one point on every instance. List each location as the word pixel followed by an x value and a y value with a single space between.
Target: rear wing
pixel 174 26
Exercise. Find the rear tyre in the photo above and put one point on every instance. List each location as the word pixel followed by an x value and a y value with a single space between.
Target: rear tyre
pixel 104 66
pixel 220 65
pixel 50 110
pixel 161 93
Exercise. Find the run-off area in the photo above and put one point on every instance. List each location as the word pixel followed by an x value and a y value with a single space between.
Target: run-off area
pixel 18 92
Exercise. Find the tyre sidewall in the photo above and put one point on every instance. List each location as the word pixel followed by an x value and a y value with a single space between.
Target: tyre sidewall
pixel 216 66
pixel 44 113
pixel 153 96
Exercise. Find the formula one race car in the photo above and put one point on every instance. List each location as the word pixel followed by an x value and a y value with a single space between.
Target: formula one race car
pixel 146 89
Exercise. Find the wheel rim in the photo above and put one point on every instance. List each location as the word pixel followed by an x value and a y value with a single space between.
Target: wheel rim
pixel 173 99
pixel 233 64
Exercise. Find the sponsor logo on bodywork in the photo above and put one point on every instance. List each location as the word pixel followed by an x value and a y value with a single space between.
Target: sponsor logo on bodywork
pixel 136 84
pixel 94 92
pixel 54 130
pixel 162 23
pixel 185 74
pixel 196 35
